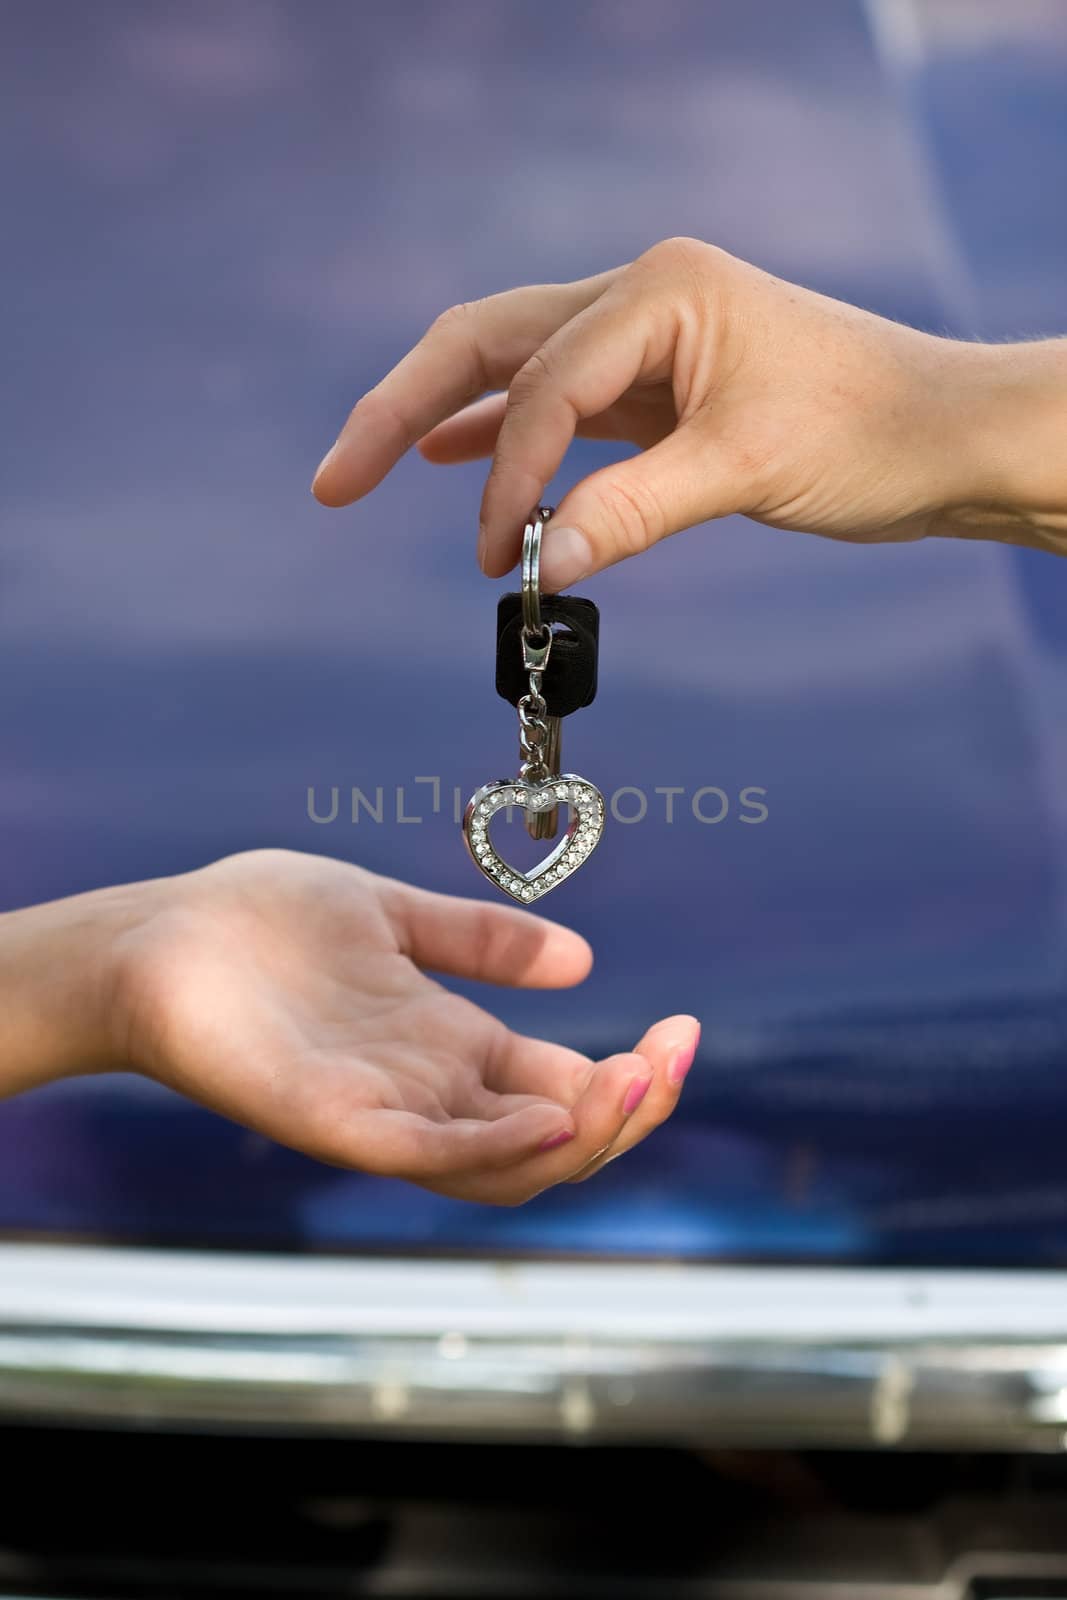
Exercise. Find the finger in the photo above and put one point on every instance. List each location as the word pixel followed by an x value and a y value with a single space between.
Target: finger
pixel 499 1161
pixel 579 372
pixel 611 1096
pixel 472 433
pixel 629 506
pixel 669 1048
pixel 468 436
pixel 448 1155
pixel 490 943
pixel 467 350
pixel 536 1067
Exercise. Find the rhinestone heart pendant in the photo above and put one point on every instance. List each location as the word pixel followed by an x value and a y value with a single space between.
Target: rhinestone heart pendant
pixel 540 788
pixel 580 840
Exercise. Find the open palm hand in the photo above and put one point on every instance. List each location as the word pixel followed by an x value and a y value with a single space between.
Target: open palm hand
pixel 288 992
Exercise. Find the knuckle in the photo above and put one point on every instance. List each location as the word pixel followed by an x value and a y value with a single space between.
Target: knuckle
pixel 690 265
pixel 457 329
pixel 378 410
pixel 678 253
pixel 530 379
pixel 632 512
pixel 453 319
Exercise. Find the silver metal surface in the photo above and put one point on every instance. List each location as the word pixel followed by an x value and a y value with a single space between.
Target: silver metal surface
pixel 627 1353
pixel 533 795
pixel 532 625
pixel 536 649
pixel 545 824
pixel 533 731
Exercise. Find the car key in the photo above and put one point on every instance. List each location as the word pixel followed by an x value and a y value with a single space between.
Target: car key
pixel 547 668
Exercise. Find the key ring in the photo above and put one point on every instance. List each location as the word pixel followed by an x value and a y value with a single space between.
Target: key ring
pixel 540 786
pixel 534 628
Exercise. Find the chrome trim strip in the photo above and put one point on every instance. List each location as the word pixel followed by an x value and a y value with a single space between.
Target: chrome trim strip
pixel 614 1351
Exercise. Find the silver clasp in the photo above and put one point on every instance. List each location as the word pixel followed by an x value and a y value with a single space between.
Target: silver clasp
pixel 535 652
pixel 536 635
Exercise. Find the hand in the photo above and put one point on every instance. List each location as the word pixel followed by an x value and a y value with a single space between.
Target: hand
pixel 745 394
pixel 285 991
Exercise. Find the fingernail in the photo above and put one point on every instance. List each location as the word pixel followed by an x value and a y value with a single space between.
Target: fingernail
pixel 635 1094
pixel 483 545
pixel 680 1064
pixel 556 1139
pixel 565 557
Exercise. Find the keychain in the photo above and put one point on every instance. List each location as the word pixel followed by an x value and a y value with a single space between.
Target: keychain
pixel 525 646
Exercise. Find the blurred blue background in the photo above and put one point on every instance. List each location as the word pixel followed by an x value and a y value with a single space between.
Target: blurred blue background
pixel 224 220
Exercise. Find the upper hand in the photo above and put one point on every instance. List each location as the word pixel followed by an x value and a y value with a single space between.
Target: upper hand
pixel 745 393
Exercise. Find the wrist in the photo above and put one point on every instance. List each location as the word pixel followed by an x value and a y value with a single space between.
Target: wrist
pixel 62 988
pixel 1011 474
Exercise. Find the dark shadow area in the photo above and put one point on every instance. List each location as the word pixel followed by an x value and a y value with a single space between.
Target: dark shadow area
pixel 88 1515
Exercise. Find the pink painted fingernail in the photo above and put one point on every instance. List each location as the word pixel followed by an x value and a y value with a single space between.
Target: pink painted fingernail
pixel 680 1065
pixel 635 1094
pixel 556 1139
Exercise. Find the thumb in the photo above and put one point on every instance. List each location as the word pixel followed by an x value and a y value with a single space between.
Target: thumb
pixel 623 509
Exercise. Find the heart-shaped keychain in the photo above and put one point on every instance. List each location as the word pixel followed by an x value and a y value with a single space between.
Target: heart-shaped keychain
pixel 534 796
pixel 540 789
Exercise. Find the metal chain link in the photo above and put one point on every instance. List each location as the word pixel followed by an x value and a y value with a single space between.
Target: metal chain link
pixel 533 731
pixel 538 732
